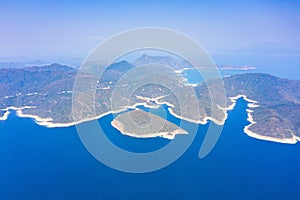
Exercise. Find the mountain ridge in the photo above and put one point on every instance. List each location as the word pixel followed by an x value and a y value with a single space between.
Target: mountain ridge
pixel 48 90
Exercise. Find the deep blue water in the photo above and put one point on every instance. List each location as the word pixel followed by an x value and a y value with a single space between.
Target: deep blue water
pixel 42 163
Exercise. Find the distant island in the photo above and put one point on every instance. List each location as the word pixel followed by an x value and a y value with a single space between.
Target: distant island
pixel 180 65
pixel 45 94
pixel 141 124
pixel 234 67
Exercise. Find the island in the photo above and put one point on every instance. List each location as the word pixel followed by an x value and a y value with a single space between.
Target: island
pixel 141 124
pixel 180 64
pixel 46 94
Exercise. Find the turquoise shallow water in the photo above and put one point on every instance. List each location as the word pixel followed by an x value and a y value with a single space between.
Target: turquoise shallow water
pixel 42 163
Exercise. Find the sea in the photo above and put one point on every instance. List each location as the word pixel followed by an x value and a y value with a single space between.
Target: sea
pixel 52 163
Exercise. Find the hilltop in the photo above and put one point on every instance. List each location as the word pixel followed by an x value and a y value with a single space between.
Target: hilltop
pixel 45 93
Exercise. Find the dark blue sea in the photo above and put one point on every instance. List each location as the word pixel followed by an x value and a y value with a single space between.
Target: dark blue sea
pixel 52 163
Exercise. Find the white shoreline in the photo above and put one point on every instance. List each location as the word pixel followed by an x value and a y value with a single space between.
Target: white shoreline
pixel 5 116
pixel 252 134
pixel 179 71
pixel 254 104
pixel 204 121
pixel 251 103
pixel 247 131
pixel 48 122
pixel 168 135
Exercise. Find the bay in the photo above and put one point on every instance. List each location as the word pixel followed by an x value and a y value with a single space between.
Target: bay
pixel 52 163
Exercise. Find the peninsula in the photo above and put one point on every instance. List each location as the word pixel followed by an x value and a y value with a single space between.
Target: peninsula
pixel 46 94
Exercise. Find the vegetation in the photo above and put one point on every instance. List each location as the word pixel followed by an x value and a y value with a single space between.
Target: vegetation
pixel 50 90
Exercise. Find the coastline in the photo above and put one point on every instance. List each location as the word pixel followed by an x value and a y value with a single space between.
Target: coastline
pixel 251 103
pixel 252 134
pixel 167 135
pixel 204 121
pixel 5 116
pixel 48 122
pixel 179 71
pixel 247 131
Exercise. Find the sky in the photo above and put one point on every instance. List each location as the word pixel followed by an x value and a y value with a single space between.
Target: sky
pixel 56 29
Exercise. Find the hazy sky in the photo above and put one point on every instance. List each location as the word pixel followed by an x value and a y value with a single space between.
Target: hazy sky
pixel 72 28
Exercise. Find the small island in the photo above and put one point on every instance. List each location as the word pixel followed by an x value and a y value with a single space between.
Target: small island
pixel 46 94
pixel 141 124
